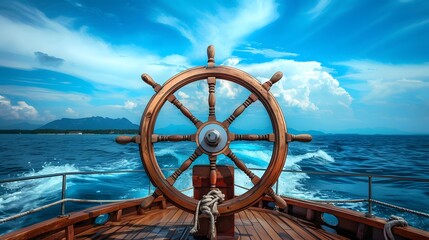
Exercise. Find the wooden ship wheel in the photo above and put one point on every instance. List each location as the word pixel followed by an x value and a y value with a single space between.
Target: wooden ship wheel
pixel 213 136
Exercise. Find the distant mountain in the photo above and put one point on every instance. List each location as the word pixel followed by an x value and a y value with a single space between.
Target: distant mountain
pixel 372 131
pixel 91 123
pixel 20 126
pixel 311 132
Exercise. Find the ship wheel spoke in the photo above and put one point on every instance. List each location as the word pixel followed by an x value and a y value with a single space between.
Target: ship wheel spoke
pixel 252 137
pixel 299 138
pixel 211 81
pixel 184 110
pixel 240 109
pixel 149 80
pixel 213 171
pixel 128 139
pixel 251 99
pixel 172 138
pixel 255 179
pixel 172 178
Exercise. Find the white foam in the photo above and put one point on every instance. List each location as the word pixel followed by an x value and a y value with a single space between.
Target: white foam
pixel 290 184
pixel 24 195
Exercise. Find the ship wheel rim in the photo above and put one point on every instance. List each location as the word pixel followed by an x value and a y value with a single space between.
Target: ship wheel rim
pixel 243 79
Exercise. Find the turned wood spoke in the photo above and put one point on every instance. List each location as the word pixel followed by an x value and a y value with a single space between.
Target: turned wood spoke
pixel 253 137
pixel 212 171
pixel 252 98
pixel 210 56
pixel 127 139
pixel 211 81
pixel 255 179
pixel 184 110
pixel 240 109
pixel 172 178
pixel 240 164
pixel 185 165
pixel 172 138
pixel 299 138
pixel 148 79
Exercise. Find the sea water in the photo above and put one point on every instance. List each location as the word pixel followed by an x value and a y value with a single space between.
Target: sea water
pixel 32 155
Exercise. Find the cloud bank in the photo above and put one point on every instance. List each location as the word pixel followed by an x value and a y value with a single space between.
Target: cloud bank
pixel 305 85
pixel 19 111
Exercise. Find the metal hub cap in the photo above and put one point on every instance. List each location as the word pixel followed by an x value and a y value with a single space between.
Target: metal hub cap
pixel 212 138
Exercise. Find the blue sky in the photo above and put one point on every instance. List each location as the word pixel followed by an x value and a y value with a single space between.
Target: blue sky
pixel 346 64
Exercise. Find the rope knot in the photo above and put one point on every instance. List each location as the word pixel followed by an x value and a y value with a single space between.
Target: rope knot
pixel 207 207
pixel 393 222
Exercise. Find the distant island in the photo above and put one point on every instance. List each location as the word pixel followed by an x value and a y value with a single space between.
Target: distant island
pixel 91 123
pixel 96 125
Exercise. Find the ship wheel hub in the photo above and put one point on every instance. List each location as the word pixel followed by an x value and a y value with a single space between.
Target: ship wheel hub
pixel 212 138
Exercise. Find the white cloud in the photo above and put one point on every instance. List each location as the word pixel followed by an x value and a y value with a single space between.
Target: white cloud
pixel 319 9
pixel 386 80
pixel 130 104
pixel 305 85
pixel 43 94
pixel 232 61
pixel 222 27
pixel 269 53
pixel 83 54
pixel 70 110
pixel 182 94
pixel 20 111
pixel 372 70
pixel 228 89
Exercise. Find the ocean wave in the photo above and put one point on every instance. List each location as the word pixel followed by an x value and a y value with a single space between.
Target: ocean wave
pixel 291 184
pixel 25 195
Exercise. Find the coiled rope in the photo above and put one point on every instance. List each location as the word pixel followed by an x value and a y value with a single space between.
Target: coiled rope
pixel 393 222
pixel 207 207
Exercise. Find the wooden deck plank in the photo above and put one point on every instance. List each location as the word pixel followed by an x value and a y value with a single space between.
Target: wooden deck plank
pixel 164 220
pixel 251 216
pixel 289 233
pixel 261 231
pixel 244 219
pixel 268 228
pixel 132 228
pixel 303 232
pixel 247 225
pixel 174 223
pixel 240 227
pixel 149 223
pixel 166 226
pixel 272 220
pixel 189 219
pixel 178 227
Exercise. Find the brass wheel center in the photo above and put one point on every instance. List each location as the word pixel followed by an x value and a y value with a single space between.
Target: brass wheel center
pixel 212 137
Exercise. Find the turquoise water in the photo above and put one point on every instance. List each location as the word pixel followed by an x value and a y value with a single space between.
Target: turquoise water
pixel 31 155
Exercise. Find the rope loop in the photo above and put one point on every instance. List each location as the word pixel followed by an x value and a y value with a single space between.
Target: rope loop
pixel 393 222
pixel 207 208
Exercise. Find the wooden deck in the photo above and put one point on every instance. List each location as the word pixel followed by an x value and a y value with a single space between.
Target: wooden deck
pixel 173 223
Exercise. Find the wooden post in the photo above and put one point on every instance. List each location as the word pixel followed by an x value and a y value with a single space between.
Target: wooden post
pixel 225 183
pixel 70 232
